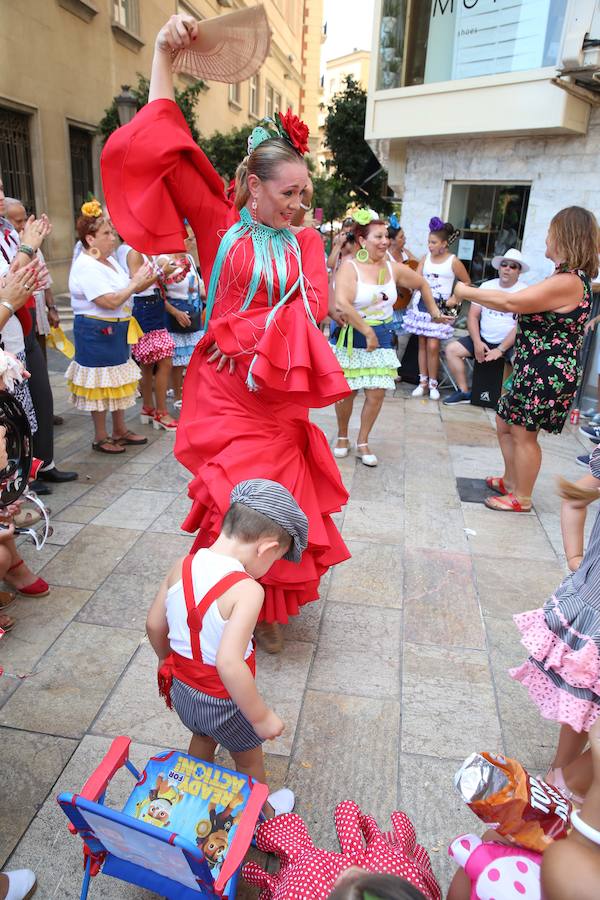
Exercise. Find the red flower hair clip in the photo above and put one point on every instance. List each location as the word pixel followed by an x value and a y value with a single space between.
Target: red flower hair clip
pixel 295 131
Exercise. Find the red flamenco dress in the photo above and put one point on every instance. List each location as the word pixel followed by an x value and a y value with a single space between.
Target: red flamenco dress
pixel 154 176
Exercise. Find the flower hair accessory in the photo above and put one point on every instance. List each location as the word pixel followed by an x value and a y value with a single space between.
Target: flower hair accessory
pixel 362 216
pixel 436 224
pixel 91 209
pixel 289 127
pixel 394 221
pixel 258 136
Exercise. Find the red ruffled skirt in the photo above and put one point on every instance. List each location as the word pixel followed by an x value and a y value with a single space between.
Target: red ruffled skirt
pixel 227 434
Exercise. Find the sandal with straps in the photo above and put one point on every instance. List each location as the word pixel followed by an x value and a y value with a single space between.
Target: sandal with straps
pixel 37 588
pixel 367 459
pixel 6 623
pixel 506 503
pixel 103 445
pixel 496 483
pixel 130 438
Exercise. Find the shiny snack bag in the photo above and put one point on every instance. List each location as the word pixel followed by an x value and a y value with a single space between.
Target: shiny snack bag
pixel 514 803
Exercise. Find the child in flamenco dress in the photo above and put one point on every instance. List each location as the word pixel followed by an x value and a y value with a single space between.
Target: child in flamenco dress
pixel 263 361
pixel 441 268
pixel 562 673
pixel 154 350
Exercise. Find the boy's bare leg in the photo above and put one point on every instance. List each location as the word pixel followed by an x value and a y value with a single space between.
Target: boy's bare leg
pixel 202 747
pixel 252 763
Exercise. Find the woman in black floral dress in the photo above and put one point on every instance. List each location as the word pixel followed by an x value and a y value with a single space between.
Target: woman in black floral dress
pixel 551 319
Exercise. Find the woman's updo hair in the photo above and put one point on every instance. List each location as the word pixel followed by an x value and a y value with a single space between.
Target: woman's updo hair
pixel 445 231
pixel 262 162
pixel 575 233
pixel 88 225
pixel 362 231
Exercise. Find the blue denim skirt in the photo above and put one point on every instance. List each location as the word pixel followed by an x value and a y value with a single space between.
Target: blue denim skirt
pixel 99 343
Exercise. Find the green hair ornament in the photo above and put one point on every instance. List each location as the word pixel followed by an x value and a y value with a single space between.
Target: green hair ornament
pixel 362 216
pixel 259 136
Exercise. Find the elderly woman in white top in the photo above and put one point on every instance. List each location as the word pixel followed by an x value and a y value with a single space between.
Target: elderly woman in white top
pixel 102 377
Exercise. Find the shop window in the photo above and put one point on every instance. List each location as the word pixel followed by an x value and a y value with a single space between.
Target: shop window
pixel 15 157
pixel 424 41
pixel 82 172
pixel 491 219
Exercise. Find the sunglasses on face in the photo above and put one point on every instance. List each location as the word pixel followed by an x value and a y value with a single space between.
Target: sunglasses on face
pixel 509 265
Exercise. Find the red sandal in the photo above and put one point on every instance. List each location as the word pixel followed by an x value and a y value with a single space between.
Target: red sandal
pixel 162 419
pixel 507 503
pixel 37 588
pixel 147 415
pixel 496 483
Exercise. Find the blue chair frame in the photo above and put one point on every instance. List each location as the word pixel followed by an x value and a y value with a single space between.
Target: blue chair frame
pixel 99 858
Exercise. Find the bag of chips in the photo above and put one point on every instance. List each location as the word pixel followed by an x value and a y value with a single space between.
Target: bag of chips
pixel 514 803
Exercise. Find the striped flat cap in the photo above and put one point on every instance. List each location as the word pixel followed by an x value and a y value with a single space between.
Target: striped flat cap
pixel 276 503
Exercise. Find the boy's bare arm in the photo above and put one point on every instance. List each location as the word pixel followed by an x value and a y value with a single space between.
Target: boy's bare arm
pixel 231 666
pixel 157 627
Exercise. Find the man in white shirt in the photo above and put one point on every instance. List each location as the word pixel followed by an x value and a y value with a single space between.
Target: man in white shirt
pixel 491 333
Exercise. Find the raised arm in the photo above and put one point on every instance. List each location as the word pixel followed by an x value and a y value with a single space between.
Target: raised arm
pixel 178 34
pixel 560 293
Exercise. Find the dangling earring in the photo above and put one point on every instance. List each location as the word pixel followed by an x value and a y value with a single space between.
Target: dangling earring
pixel 93 251
pixel 254 207
pixel 363 255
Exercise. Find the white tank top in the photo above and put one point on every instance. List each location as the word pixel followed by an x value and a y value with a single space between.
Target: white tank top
pixel 440 277
pixel 208 568
pixel 375 301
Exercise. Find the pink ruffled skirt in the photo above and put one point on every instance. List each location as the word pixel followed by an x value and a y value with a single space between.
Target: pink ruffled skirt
pixel 562 673
pixel 154 346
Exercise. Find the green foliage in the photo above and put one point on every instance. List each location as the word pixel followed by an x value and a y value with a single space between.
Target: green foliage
pixel 353 161
pixel 226 151
pixel 186 100
pixel 331 195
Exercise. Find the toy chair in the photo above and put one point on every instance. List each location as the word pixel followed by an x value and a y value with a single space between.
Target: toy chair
pixel 171 837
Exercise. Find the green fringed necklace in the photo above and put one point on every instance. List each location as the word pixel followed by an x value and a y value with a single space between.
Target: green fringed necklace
pixel 269 244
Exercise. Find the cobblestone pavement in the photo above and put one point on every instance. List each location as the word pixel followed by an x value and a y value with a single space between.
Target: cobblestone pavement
pixel 385 685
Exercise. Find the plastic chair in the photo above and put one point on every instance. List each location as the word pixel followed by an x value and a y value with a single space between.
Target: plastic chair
pixel 142 849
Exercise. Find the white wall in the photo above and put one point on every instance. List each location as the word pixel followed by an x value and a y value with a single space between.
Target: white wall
pixel 562 171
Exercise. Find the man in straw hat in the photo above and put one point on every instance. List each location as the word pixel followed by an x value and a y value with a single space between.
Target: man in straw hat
pixel 491 333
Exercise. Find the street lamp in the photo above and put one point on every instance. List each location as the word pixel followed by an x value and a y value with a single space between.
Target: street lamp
pixel 126 104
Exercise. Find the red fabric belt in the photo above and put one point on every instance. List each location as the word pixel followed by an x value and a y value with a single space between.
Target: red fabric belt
pixel 198 675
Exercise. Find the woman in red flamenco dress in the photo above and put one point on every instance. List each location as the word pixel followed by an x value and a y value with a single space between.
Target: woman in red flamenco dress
pixel 263 361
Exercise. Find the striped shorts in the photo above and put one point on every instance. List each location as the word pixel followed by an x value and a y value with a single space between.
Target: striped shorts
pixel 213 717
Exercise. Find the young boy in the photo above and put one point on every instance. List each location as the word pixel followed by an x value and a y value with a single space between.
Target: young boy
pixel 201 624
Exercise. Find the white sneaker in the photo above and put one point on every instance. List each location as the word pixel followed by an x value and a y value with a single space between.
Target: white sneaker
pixel 434 394
pixel 21 883
pixel 282 801
pixel 342 452
pixel 420 390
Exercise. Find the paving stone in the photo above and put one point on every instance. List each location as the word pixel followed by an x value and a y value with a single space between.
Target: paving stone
pixel 509 587
pixel 72 680
pixel 90 556
pixel 122 600
pixel 440 604
pixel 168 475
pixel 78 513
pixel 66 493
pixel 31 763
pixel 372 577
pixel 135 509
pixel 169 521
pixel 382 483
pixel 477 434
pixel 527 736
pixel 431 520
pixel 337 734
pixel 35 559
pixel 39 622
pixel 475 462
pixel 106 492
pixel 54 853
pixel 281 680
pixel 373 521
pixel 154 554
pixel 448 703
pixel 63 532
pixel 136 709
pixel 358 652
pixel 525 539
pixel 426 794
pixel 305 626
